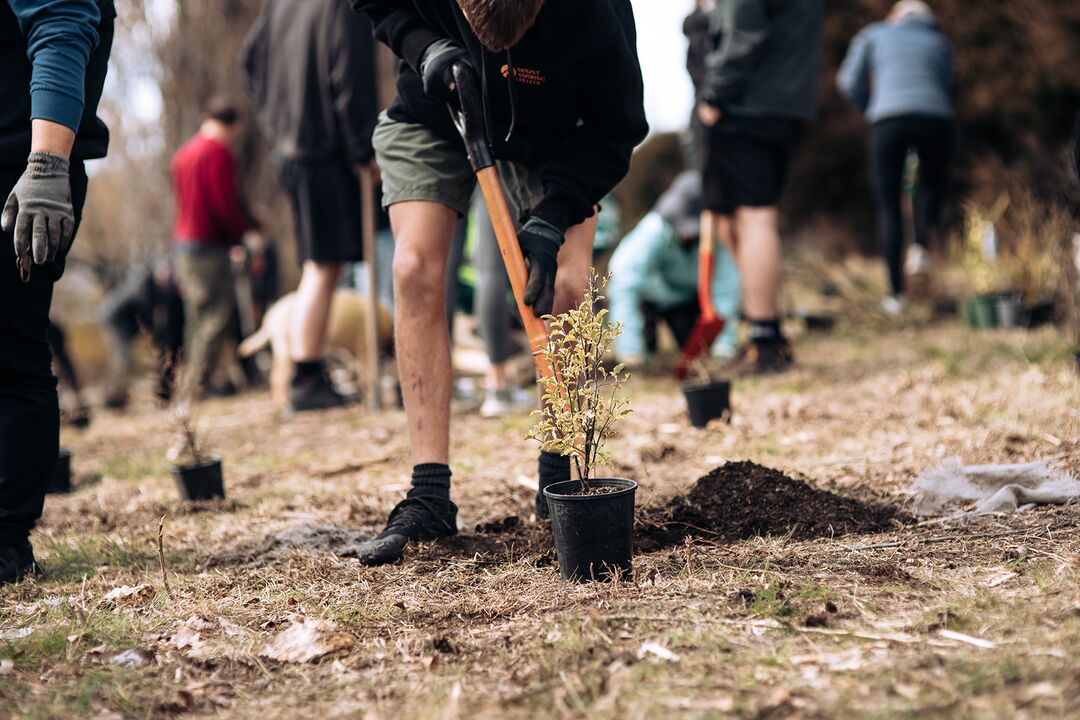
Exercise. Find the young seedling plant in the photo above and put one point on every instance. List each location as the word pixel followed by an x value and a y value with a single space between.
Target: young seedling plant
pixel 582 399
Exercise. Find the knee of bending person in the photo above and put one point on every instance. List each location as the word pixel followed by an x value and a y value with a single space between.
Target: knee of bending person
pixel 570 287
pixel 416 274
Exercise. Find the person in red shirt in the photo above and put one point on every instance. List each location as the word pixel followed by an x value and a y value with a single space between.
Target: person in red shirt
pixel 211 219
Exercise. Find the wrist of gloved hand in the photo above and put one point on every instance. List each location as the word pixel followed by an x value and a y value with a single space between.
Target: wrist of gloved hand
pixel 540 242
pixel 437 68
pixel 38 212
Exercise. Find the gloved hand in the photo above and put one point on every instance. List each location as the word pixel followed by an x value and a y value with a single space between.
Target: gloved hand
pixel 437 68
pixel 39 213
pixel 540 242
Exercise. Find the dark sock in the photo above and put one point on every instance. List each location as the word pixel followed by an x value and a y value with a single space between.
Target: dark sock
pixel 431 480
pixel 766 332
pixel 553 468
pixel 306 370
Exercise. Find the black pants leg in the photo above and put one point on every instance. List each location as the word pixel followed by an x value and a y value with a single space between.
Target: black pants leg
pixel 29 413
pixel 889 141
pixel 934 145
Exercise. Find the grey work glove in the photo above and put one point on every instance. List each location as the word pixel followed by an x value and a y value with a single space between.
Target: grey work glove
pixel 38 211
pixel 437 68
pixel 540 242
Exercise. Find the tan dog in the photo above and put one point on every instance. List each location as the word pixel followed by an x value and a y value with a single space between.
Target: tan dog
pixel 344 333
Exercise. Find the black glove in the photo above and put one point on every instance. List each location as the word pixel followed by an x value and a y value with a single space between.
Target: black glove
pixel 38 212
pixel 437 68
pixel 540 242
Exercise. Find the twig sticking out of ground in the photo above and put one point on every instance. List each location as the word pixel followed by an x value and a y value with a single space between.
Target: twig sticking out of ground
pixel 161 553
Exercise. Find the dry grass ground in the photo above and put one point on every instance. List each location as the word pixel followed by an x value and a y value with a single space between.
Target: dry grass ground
pixel 482 627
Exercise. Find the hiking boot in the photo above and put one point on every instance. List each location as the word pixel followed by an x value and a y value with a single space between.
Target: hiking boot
pixel 17 562
pixel 420 517
pixel 314 392
pixel 503 403
pixel 893 305
pixel 769 358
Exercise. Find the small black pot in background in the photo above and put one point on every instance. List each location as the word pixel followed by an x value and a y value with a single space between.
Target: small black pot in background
pixel 819 323
pixel 594 534
pixel 1076 357
pixel 707 401
pixel 61 479
pixel 200 482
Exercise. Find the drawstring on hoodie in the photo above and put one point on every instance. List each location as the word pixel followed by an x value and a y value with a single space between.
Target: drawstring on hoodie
pixel 510 89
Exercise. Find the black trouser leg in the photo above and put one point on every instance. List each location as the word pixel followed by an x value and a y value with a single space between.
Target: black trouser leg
pixel 29 413
pixel 682 319
pixel 934 145
pixel 888 149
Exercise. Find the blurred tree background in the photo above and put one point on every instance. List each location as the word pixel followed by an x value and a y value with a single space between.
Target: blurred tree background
pixel 1018 90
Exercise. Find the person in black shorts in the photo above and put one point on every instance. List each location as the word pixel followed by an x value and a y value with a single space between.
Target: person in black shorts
pixel 760 87
pixel 310 68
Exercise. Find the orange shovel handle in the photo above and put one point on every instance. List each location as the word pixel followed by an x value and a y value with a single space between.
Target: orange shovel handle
pixel 706 266
pixel 506 234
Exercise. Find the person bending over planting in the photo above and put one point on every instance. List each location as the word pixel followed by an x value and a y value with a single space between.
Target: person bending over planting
pixel 563 98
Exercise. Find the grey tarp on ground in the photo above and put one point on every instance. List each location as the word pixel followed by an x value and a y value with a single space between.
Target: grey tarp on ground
pixel 952 487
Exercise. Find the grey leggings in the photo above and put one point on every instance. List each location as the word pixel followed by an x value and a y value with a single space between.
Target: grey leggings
pixel 492 304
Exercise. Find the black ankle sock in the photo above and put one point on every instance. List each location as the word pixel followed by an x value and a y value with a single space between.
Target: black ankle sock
pixel 431 480
pixel 553 468
pixel 766 332
pixel 307 369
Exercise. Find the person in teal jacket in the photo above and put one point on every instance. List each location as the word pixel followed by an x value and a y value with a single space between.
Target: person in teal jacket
pixel 655 270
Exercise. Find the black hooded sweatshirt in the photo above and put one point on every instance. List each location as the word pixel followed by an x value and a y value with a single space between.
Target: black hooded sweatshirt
pixel 566 100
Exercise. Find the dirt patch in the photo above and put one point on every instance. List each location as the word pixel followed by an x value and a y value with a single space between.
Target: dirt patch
pixel 742 500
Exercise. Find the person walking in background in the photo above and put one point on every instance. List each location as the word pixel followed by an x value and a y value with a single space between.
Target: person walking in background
pixel 655 269
pixel 700 41
pixel 53 59
pixel 310 68
pixel 211 220
pixel 899 74
pixel 760 88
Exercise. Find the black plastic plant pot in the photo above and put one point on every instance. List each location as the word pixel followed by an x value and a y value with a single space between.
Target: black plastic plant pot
pixel 707 401
pixel 594 534
pixel 1076 357
pixel 61 479
pixel 200 482
pixel 819 323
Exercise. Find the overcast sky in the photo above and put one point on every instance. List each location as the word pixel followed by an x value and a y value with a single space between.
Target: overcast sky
pixel 662 49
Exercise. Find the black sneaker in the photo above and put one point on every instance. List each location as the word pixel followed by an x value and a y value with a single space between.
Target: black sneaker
pixel 769 358
pixel 420 517
pixel 314 392
pixel 17 562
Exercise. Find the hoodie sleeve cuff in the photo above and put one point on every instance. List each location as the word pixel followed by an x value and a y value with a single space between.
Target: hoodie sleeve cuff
pixel 416 44
pixel 563 211
pixel 56 107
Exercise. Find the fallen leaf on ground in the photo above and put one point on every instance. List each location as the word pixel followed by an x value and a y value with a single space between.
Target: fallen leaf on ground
pixel 7 667
pixel 131 658
pixel 999 578
pixel 307 640
pixel 125 596
pixel 967 639
pixel 15 633
pixel 186 637
pixel 651 648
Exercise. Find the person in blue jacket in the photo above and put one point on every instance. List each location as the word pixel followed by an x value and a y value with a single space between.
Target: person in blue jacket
pixel 53 57
pixel 655 270
pixel 899 75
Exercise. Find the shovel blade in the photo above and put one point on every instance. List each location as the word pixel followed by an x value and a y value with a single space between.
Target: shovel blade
pixel 701 339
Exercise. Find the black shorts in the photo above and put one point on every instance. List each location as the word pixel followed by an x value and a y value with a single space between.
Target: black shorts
pixel 747 162
pixel 325 198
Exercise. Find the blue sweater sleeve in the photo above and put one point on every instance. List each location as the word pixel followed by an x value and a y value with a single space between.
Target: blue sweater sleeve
pixel 60 36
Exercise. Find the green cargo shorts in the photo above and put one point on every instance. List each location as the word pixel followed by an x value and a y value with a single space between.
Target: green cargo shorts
pixel 416 164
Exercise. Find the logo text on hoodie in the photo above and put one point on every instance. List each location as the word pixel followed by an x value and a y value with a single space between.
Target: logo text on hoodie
pixel 525 76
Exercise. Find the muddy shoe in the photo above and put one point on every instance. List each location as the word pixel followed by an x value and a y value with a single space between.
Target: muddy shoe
pixel 762 359
pixel 314 392
pixel 419 517
pixel 17 562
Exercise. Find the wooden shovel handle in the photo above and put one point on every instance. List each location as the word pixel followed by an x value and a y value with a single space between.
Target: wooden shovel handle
pixel 706 265
pixel 506 234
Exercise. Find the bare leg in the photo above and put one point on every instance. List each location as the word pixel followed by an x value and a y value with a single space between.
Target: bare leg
pixel 497 378
pixel 311 310
pixel 423 232
pixel 759 261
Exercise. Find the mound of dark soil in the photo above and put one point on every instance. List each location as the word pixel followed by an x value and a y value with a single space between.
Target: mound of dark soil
pixel 742 500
